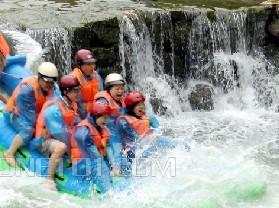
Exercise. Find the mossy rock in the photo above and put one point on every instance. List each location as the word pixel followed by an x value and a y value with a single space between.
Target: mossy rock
pixel 201 98
pixel 211 16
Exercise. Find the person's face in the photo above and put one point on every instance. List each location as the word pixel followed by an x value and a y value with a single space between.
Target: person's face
pixel 88 68
pixel 117 91
pixel 139 109
pixel 46 86
pixel 102 121
pixel 73 95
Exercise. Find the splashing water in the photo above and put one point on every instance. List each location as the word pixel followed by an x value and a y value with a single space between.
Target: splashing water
pixel 233 157
pixel 231 162
pixel 24 45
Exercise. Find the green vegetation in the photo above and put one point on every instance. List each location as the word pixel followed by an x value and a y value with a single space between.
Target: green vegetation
pixel 228 4
pixel 211 16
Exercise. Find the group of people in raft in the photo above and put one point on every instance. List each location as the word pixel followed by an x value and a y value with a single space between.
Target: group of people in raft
pixel 79 117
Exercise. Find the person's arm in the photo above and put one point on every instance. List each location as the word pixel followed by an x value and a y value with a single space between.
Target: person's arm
pixel 101 88
pixel 85 143
pixel 82 111
pixel 125 131
pixel 55 124
pixel 3 99
pixel 26 103
pixel 110 155
pixel 154 123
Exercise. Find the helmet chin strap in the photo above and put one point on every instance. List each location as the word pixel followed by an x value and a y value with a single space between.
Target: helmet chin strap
pixel 64 94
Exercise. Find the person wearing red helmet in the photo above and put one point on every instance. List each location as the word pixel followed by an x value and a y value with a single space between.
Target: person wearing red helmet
pixel 55 124
pixel 134 125
pixel 90 142
pixel 89 78
pixel 139 124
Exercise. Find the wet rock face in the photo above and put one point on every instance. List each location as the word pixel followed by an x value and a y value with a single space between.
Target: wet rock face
pixel 274 29
pixel 272 40
pixel 201 98
pixel 273 24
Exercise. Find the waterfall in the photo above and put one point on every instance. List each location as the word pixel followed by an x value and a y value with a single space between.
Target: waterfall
pixel 53 44
pixel 146 72
pixel 220 48
pixel 23 44
pixel 56 43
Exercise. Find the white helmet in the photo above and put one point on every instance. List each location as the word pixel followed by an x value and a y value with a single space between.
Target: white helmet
pixel 48 71
pixel 113 79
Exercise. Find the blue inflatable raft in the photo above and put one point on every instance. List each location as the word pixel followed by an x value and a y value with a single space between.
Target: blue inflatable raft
pixel 65 177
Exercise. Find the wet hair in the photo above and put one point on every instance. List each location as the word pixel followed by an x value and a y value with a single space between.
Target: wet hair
pixel 108 87
pixel 130 109
pixel 95 117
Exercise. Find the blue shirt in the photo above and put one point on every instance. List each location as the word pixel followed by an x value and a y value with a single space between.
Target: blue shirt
pixel 86 143
pixel 55 124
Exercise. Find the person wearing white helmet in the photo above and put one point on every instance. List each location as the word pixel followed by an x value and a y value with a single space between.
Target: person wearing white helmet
pixel 24 105
pixel 114 97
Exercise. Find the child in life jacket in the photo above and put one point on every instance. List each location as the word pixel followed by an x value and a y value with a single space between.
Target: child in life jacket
pixel 134 125
pixel 90 147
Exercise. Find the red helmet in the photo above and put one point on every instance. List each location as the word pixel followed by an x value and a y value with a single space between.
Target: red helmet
pixel 68 82
pixel 134 97
pixel 100 109
pixel 85 56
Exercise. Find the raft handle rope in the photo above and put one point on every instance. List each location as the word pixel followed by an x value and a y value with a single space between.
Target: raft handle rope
pixel 11 75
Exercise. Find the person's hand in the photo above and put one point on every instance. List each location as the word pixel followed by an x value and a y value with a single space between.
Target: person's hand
pixel 114 171
pixel 154 123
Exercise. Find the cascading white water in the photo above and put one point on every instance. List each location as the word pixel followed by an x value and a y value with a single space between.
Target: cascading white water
pixel 234 147
pixel 136 49
pixel 56 43
pixel 24 45
pixel 233 161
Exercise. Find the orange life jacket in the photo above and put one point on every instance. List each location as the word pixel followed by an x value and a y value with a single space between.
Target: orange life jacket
pixel 88 88
pixel 67 114
pixel 39 95
pixel 4 47
pixel 112 103
pixel 100 140
pixel 141 126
